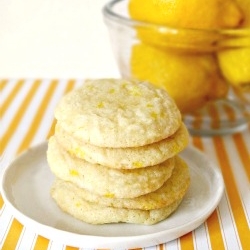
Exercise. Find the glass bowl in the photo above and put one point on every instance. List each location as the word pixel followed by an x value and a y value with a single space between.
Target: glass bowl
pixel 198 68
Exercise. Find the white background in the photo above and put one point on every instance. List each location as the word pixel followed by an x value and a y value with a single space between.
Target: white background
pixel 54 39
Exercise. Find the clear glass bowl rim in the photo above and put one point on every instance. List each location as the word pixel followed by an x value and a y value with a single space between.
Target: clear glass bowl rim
pixel 111 15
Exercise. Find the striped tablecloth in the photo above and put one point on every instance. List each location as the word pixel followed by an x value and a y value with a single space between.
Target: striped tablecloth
pixel 26 112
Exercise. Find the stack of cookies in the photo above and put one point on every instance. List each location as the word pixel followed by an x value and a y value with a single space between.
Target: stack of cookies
pixel 115 153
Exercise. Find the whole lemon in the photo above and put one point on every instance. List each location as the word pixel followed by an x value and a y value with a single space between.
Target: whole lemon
pixel 197 14
pixel 191 14
pixel 235 66
pixel 235 59
pixel 191 79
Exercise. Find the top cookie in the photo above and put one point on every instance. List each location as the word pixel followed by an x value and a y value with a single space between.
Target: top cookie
pixel 118 113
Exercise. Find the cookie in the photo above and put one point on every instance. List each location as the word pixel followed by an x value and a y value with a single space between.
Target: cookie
pixel 72 203
pixel 125 158
pixel 173 189
pixel 108 182
pixel 118 113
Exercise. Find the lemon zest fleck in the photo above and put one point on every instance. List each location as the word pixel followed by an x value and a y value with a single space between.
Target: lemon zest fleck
pixel 137 164
pixel 77 204
pixel 135 91
pixel 109 195
pixel 154 115
pixel 77 152
pixel 100 105
pixel 73 172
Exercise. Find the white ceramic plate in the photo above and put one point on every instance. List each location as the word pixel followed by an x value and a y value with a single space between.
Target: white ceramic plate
pixel 26 185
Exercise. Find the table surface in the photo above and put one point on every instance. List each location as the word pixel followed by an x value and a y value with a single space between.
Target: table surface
pixel 27 118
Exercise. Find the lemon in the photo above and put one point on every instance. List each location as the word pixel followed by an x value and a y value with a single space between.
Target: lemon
pixel 245 6
pixel 178 52
pixel 235 66
pixel 235 61
pixel 191 79
pixel 212 14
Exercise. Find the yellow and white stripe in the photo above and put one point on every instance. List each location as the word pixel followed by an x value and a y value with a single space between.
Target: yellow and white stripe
pixel 26 118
